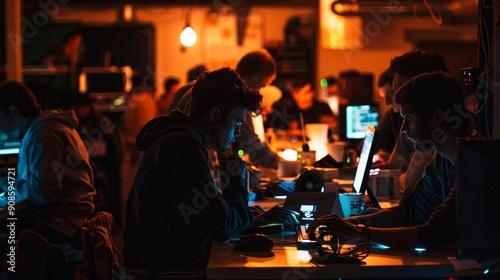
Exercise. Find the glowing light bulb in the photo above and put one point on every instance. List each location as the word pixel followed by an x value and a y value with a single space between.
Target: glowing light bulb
pixel 188 37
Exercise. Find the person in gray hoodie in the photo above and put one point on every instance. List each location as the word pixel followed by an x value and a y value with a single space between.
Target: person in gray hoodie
pixel 53 173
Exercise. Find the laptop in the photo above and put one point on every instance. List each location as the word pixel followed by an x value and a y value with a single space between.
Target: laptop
pixel 360 184
pixel 310 205
pixel 478 197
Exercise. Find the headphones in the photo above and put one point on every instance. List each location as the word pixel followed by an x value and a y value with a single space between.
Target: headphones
pixel 310 181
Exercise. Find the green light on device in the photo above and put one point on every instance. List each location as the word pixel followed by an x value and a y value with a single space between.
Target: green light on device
pixel 241 152
pixel 323 83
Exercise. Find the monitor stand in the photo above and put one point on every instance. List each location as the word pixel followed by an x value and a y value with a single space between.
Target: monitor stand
pixel 372 197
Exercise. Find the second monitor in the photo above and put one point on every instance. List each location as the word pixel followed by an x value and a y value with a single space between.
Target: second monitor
pixel 357 117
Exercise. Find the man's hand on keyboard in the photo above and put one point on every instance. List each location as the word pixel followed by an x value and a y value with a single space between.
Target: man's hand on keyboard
pixel 277 215
pixel 335 225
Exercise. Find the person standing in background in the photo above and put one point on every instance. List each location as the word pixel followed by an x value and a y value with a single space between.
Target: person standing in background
pixel 141 109
pixel 170 87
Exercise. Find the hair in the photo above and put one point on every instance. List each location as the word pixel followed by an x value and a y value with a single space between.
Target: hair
pixel 225 89
pixel 435 90
pixel 16 94
pixel 331 80
pixel 258 62
pixel 417 62
pixel 195 72
pixel 169 82
pixel 300 83
pixel 385 78
pixel 72 35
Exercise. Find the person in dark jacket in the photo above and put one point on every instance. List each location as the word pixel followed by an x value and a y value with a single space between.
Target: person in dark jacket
pixel 174 211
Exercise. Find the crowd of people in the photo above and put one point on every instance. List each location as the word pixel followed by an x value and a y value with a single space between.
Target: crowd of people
pixel 189 185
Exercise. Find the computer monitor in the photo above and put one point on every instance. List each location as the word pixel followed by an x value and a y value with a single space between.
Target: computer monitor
pixel 105 83
pixel 478 196
pixel 360 184
pixel 357 117
pixel 9 148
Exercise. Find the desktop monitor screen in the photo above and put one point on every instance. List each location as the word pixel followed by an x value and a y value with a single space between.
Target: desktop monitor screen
pixel 365 160
pixel 357 117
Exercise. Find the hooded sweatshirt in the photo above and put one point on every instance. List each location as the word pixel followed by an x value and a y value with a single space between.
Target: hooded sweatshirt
pixel 54 173
pixel 174 212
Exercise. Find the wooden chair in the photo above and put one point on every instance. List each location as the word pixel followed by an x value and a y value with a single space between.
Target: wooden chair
pixel 100 253
pixel 38 259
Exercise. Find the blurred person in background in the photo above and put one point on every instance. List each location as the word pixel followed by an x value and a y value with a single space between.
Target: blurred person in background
pixel 170 87
pixel 101 137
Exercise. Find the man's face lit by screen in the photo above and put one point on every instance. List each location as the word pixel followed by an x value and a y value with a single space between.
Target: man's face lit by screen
pixel 9 127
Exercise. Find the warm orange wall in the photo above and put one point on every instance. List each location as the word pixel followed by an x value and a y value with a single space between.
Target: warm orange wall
pixel 170 60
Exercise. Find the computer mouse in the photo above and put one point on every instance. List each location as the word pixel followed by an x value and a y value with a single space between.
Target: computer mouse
pixel 255 243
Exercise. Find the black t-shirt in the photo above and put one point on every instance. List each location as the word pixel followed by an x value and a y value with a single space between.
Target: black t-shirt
pixel 312 115
pixel 390 129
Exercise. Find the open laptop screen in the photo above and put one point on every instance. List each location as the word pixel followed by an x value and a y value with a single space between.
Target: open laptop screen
pixel 365 160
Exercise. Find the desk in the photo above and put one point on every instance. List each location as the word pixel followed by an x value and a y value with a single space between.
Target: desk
pixel 286 262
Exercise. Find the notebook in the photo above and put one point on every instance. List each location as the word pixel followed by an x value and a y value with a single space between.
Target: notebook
pixel 478 196
pixel 310 205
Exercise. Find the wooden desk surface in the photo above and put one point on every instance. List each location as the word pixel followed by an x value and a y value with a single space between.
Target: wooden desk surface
pixel 286 262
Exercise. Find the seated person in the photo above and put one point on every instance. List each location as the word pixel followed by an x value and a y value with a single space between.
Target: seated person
pixel 174 205
pixel 390 125
pixel 404 157
pixel 430 103
pixel 304 102
pixel 53 173
pixel 257 69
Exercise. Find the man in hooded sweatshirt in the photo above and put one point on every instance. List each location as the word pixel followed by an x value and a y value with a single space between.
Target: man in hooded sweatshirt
pixel 53 173
pixel 174 210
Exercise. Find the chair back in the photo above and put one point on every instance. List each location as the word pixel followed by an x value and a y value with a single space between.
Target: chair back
pixel 38 259
pixel 101 255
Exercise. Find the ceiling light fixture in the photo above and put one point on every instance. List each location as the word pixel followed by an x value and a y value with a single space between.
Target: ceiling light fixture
pixel 188 35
